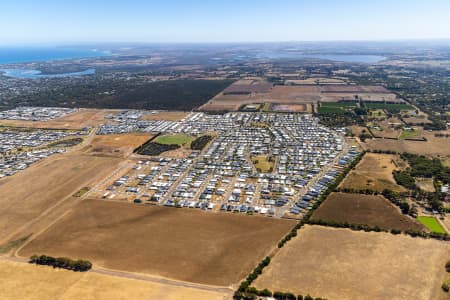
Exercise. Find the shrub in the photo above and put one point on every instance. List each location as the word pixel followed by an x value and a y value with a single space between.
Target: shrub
pixel 265 293
pixel 396 231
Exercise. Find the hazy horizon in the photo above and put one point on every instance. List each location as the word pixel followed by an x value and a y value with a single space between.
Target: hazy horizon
pixel 204 22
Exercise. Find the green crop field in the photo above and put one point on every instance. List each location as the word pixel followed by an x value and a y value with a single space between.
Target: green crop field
pixel 431 223
pixel 377 113
pixel 338 104
pixel 174 139
pixel 335 107
pixel 266 107
pixel 389 106
pixel 409 134
pixel 330 110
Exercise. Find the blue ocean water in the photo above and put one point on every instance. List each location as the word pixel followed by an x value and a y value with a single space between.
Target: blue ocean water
pixel 35 74
pixel 11 55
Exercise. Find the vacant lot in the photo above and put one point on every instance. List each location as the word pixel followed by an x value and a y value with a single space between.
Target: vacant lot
pixel 373 172
pixel 117 144
pixel 364 209
pixel 22 281
pixel 29 193
pixel 166 116
pixel 291 108
pixel 263 163
pixel 188 245
pixel 344 264
pixel 80 119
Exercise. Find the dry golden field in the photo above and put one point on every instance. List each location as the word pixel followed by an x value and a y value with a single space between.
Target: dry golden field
pixel 188 245
pixel 345 264
pixel 116 144
pixel 23 281
pixel 434 146
pixel 29 193
pixel 77 120
pixel 373 172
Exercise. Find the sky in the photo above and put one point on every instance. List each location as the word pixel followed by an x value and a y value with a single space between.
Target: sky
pixel 197 21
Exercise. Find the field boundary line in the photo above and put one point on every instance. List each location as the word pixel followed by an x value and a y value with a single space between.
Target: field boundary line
pixel 161 280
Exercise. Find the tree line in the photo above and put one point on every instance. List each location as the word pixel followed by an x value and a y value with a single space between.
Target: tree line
pixel 61 262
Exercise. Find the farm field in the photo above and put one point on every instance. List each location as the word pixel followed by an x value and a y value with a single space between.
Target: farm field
pixel 377 113
pixel 116 144
pixel 432 147
pixel 291 108
pixel 46 183
pixel 431 223
pixel 344 264
pixel 373 172
pixel 194 246
pixel 48 283
pixel 364 209
pixel 335 107
pixel 258 91
pixel 417 120
pixel 314 81
pixel 388 106
pixel 77 120
pixel 410 134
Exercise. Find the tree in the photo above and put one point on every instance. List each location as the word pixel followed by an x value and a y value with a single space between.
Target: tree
pixel 265 293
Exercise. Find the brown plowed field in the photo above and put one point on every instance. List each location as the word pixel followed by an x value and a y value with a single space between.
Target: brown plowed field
pixel 364 209
pixel 184 244
pixel 300 94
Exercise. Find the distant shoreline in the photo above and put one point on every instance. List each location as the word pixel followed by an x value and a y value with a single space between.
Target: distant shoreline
pixel 10 56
